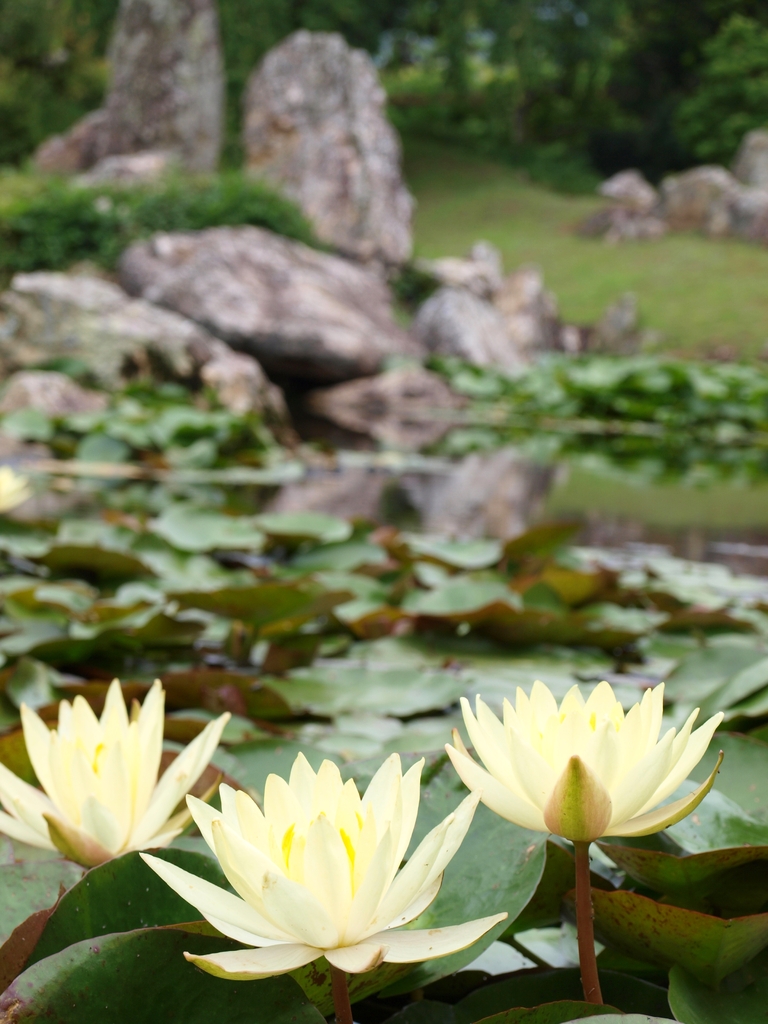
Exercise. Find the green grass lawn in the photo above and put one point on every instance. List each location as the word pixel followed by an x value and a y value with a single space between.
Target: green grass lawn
pixel 704 295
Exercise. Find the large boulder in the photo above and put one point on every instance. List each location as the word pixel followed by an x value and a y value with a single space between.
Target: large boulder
pixel 53 393
pixel 298 311
pixel 166 93
pixel 128 169
pixel 748 214
pixel 315 124
pixel 53 315
pixel 455 322
pixel 407 408
pixel 699 200
pixel 751 163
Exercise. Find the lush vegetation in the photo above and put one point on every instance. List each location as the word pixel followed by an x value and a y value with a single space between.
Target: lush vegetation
pixel 706 299
pixel 350 641
pixel 560 87
pixel 55 225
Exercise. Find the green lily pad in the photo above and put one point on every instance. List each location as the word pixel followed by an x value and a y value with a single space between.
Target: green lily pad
pixel 345 556
pixel 743 775
pixel 31 886
pixel 295 527
pixel 708 947
pixel 741 999
pixel 191 528
pixel 336 690
pixel 141 977
pixel 455 554
pixel 120 896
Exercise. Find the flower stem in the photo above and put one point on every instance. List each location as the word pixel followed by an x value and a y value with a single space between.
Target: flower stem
pixel 585 926
pixel 340 991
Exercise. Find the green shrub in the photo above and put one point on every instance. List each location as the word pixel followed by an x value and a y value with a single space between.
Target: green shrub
pixel 63 225
pixel 732 97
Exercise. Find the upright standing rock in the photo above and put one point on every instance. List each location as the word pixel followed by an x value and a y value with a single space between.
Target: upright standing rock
pixel 315 125
pixel 167 90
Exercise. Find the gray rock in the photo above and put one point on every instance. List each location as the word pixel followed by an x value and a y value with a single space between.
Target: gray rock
pixel 748 214
pixel 315 124
pixel 76 150
pixel 166 93
pixel 454 322
pixel 53 393
pixel 621 224
pixel 616 332
pixel 406 408
pixel 530 315
pixel 352 493
pixel 241 385
pixel 751 163
pixel 630 190
pixel 297 310
pixel 128 169
pixel 699 200
pixel 50 315
pixel 480 272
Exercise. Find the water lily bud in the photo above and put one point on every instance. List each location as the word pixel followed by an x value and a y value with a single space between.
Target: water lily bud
pixel 100 790
pixel 584 769
pixel 13 489
pixel 579 807
pixel 316 873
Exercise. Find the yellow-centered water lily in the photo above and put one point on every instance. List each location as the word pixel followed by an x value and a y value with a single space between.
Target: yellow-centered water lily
pixel 584 769
pixel 317 873
pixel 101 794
pixel 13 489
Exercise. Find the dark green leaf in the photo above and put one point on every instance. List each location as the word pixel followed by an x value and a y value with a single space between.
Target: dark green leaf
pixel 141 977
pixel 31 886
pixel 120 896
pixel 741 999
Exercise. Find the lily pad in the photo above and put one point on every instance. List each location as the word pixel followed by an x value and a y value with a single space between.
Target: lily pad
pixel 191 528
pixel 741 999
pixel 31 886
pixel 141 977
pixel 455 554
pixel 295 527
pixel 743 775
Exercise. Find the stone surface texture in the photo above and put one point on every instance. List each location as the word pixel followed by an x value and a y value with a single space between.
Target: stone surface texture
pixel 631 190
pixel 53 393
pixel 751 163
pixel 455 322
pixel 480 272
pixel 699 200
pixel 616 332
pixel 406 408
pixel 622 224
pixel 241 385
pixel 298 311
pixel 166 92
pixel 530 314
pixel 128 169
pixel 315 125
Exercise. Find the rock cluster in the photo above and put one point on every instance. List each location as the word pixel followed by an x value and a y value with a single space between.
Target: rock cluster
pixel 299 312
pixel 710 199
pixel 485 318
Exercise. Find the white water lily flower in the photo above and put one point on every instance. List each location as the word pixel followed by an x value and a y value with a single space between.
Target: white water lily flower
pixel 102 796
pixel 317 873
pixel 13 489
pixel 583 770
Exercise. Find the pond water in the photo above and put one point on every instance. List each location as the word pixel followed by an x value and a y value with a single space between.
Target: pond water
pixel 700 516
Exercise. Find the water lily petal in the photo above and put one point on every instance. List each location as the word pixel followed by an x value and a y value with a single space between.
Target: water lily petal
pixel 494 794
pixel 252 964
pixel 356 959
pixel 416 944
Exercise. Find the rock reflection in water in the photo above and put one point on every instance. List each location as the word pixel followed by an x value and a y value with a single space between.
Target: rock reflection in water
pixel 494 494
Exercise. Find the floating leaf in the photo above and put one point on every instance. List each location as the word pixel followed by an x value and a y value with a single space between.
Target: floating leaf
pixel 455 554
pixel 708 947
pixel 141 977
pixel 338 690
pixel 122 895
pixel 31 886
pixel 743 773
pixel 740 1000
pixel 295 527
pixel 192 528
